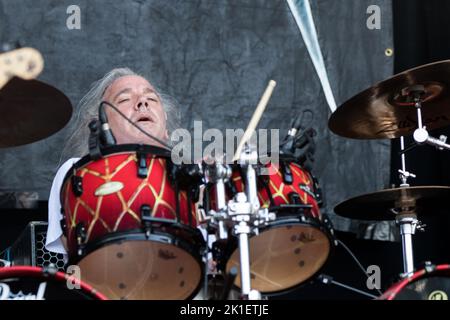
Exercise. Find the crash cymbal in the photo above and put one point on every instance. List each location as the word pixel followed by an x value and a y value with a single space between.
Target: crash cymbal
pixel 426 200
pixel 30 111
pixel 386 111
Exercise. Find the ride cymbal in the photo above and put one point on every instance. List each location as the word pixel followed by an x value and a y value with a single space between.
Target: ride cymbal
pixel 381 205
pixel 30 111
pixel 387 110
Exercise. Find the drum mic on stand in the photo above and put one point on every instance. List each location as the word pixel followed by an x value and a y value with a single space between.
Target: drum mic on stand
pixel 288 145
pixel 106 137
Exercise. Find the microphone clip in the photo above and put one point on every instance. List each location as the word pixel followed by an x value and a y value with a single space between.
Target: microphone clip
pixel 94 140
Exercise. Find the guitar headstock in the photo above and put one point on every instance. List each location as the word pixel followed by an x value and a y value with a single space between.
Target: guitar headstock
pixel 25 63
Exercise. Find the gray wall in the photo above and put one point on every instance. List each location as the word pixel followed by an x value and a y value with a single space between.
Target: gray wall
pixel 216 58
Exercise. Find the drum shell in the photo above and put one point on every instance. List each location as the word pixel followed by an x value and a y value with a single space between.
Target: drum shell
pixel 134 236
pixel 119 210
pixel 300 239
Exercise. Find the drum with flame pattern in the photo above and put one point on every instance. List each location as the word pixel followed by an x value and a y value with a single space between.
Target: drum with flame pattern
pixel 293 248
pixel 131 227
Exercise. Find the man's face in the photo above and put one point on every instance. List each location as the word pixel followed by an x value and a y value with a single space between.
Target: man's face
pixel 138 100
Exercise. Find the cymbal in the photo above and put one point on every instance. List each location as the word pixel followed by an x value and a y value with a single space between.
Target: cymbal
pixel 30 111
pixel 386 111
pixel 427 200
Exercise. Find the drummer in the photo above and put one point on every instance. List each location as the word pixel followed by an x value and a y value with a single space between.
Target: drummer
pixel 140 102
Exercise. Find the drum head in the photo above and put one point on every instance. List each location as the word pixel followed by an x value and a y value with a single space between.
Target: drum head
pixel 283 257
pixel 34 283
pixel 140 269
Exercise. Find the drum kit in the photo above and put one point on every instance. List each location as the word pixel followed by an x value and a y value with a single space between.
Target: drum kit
pixel 139 226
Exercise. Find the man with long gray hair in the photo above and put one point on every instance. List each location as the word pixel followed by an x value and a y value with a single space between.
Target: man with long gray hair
pixel 136 99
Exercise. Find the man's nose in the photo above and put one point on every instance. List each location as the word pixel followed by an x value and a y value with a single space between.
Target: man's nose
pixel 141 104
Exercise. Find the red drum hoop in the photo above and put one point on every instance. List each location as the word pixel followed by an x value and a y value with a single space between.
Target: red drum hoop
pixel 19 279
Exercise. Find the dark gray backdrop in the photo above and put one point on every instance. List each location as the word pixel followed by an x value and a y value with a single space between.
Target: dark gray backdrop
pixel 215 57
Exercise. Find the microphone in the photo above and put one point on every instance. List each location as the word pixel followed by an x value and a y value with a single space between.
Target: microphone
pixel 289 142
pixel 106 137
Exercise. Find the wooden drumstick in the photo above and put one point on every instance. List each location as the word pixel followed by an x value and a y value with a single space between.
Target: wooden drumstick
pixel 255 118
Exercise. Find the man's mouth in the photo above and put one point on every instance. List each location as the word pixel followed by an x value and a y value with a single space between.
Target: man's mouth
pixel 144 119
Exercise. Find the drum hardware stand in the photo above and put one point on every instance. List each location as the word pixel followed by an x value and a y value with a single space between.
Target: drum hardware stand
pixel 242 214
pixel 421 134
pixel 404 175
pixel 406 219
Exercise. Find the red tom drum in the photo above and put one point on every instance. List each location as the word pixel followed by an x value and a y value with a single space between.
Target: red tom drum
pixel 294 247
pixel 130 228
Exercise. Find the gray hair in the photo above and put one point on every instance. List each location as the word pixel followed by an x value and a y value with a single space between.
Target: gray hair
pixel 87 110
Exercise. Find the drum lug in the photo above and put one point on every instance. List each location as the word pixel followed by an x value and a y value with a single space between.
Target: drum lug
pixel 49 270
pixel 329 226
pixel 77 185
pixel 63 223
pixel 307 189
pixel 317 191
pixel 142 164
pixel 294 198
pixel 80 232
pixel 429 267
pixel 146 219
pixel 287 173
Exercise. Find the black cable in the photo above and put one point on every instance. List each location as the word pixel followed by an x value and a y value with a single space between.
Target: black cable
pixel 205 276
pixel 409 148
pixel 136 126
pixel 357 262
pixel 329 280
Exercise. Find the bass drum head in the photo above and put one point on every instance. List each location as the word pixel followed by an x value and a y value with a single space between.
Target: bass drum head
pixel 35 283
pixel 282 257
pixel 423 285
pixel 142 270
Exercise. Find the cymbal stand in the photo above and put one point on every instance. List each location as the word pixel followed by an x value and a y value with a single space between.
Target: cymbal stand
pixel 406 218
pixel 242 215
pixel 404 175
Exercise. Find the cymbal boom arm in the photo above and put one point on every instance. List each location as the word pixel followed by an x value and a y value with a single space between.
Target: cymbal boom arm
pixel 422 136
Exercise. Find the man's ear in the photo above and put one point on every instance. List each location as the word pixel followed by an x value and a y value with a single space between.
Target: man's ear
pixel 166 134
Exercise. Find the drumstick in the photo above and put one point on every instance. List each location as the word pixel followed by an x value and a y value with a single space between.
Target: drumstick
pixel 255 118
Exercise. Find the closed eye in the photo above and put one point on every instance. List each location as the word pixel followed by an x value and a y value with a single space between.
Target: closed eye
pixel 124 100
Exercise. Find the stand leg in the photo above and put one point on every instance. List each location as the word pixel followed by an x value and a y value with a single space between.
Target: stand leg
pixel 407 230
pixel 244 256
